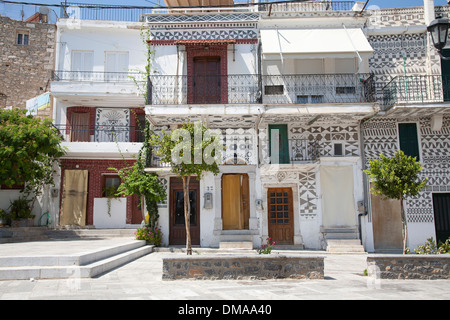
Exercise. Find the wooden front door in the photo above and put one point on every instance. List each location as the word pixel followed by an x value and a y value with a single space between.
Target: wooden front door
pixel 177 229
pixel 207 82
pixel 387 224
pixel 280 215
pixel 235 201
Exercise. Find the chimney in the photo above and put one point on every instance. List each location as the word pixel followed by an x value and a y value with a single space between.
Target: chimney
pixel 429 14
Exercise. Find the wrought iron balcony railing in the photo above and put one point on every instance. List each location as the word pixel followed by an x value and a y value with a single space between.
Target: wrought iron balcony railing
pixel 251 89
pixel 300 151
pixel 416 89
pixel 100 133
pixel 98 76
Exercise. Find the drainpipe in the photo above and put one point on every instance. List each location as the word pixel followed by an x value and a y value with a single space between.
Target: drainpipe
pixel 366 202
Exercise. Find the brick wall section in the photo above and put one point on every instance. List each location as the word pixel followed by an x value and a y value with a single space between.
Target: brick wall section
pixel 96 169
pixel 25 69
pixel 243 267
pixel 418 267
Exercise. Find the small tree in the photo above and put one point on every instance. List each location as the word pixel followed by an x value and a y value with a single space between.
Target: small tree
pixel 29 148
pixel 191 150
pixel 396 178
pixel 143 184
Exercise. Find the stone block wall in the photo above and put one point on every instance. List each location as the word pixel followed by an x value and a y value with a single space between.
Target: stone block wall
pixel 417 267
pixel 243 267
pixel 25 69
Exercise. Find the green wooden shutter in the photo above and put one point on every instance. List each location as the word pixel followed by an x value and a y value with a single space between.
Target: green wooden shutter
pixel 445 68
pixel 409 143
pixel 279 131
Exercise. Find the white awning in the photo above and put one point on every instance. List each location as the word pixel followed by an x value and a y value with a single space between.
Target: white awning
pixel 314 43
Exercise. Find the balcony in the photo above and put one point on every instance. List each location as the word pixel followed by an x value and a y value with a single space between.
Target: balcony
pixel 104 88
pixel 420 89
pixel 256 89
pixel 300 151
pixel 100 133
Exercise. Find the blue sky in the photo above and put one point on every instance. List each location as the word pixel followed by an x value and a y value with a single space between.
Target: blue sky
pixel 13 11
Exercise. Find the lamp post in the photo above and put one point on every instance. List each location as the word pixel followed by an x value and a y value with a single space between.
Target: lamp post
pixel 438 29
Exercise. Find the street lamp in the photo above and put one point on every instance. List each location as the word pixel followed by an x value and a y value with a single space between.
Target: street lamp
pixel 438 29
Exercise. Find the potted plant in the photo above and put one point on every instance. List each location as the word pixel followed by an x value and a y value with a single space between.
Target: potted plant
pixel 21 212
pixel 5 218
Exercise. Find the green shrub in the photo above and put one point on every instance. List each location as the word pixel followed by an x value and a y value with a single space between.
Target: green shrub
pixel 430 247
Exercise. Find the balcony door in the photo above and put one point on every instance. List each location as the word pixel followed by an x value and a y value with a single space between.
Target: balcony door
pixel 82 65
pixel 207 82
pixel 116 66
pixel 80 128
pixel 278 143
pixel 445 68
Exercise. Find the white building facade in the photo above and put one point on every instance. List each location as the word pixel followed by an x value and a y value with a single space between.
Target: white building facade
pixel 303 94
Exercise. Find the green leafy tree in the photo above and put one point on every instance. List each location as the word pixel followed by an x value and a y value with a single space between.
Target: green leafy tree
pixel 191 151
pixel 135 180
pixel 396 178
pixel 29 149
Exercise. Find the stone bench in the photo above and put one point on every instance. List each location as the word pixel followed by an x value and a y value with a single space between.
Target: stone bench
pixel 418 267
pixel 215 267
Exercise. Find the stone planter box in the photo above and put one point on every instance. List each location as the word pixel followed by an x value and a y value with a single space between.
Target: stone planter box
pixel 243 267
pixel 20 223
pixel 417 267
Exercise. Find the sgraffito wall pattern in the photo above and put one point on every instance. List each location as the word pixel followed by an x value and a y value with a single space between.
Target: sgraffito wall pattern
pixel 381 136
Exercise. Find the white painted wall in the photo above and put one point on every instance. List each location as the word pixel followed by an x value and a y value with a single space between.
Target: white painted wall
pixel 115 217
pixel 98 39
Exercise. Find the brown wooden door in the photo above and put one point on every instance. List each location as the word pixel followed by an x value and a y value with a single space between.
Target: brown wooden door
pixel 207 82
pixel 280 215
pixel 235 201
pixel 387 224
pixel 177 229
pixel 80 131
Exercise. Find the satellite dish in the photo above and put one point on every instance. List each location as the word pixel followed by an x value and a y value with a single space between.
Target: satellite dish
pixel 44 10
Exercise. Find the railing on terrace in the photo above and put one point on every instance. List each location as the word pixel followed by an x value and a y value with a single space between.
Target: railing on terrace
pixel 250 89
pixel 83 11
pixel 100 133
pixel 307 6
pixel 98 76
pixel 301 151
pixel 416 89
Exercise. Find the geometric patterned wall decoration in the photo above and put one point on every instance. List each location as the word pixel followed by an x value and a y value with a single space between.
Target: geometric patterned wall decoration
pixel 327 135
pixel 381 135
pixel 307 194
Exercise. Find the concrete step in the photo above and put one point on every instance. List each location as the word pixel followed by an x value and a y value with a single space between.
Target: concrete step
pixel 344 246
pixel 236 245
pixel 340 233
pixel 89 233
pixel 22 234
pixel 84 265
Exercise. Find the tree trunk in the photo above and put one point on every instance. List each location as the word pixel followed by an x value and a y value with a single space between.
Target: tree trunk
pixel 404 226
pixel 187 214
